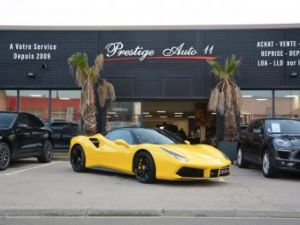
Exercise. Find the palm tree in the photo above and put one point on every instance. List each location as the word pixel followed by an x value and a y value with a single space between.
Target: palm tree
pixel 225 98
pixel 89 79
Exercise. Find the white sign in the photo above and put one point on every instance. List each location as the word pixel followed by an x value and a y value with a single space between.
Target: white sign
pixel 33 51
pixel 275 128
pixel 118 49
pixel 274 53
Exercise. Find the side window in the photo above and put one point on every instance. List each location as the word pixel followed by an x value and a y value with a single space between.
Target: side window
pixel 35 122
pixel 250 127
pixel 121 134
pixel 260 125
pixel 257 127
pixel 22 119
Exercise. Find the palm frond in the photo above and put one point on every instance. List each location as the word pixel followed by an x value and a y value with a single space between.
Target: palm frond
pixel 111 91
pixel 229 97
pixel 96 69
pixel 216 67
pixel 79 63
pixel 233 66
pixel 213 100
pixel 79 60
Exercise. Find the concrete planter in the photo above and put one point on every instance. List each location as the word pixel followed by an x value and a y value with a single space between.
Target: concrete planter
pixel 229 148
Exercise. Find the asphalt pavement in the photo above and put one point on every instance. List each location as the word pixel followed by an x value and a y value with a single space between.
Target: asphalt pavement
pixel 29 188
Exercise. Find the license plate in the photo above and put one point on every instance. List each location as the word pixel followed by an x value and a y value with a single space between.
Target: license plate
pixel 224 171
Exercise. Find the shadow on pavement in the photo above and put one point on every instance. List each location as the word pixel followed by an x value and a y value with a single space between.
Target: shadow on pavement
pixel 23 162
pixel 212 182
pixel 283 175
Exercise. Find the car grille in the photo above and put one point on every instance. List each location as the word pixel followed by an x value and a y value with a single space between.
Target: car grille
pixel 224 171
pixel 284 154
pixel 214 173
pixel 190 172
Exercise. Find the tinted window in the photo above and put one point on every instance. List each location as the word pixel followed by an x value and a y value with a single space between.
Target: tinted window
pixel 121 134
pixel 155 137
pixel 6 119
pixel 22 119
pixel 35 122
pixel 283 126
pixel 256 125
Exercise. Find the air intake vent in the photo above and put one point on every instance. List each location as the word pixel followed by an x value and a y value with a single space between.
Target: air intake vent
pixel 95 142
pixel 190 172
pixel 284 155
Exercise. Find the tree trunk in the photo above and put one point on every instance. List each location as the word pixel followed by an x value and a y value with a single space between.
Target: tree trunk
pixel 88 111
pixel 230 126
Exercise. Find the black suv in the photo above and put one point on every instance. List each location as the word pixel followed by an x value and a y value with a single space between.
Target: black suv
pixel 273 143
pixel 63 131
pixel 23 135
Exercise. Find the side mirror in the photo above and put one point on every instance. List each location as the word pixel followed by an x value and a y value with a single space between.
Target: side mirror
pixel 122 142
pixel 187 142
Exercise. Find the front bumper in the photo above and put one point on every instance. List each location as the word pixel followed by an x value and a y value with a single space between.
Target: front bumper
pixel 192 172
pixel 287 159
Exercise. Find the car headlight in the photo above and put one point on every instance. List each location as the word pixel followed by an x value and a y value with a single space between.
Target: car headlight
pixel 282 142
pixel 176 155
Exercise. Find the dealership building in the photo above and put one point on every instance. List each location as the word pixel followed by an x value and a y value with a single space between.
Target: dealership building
pixel 160 76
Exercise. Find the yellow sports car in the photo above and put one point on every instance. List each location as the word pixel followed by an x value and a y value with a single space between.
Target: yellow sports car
pixel 149 154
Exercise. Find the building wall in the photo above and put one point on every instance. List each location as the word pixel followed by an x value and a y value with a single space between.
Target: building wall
pixel 38 59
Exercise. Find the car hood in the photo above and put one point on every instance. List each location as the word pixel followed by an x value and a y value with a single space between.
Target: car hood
pixel 198 153
pixel 293 138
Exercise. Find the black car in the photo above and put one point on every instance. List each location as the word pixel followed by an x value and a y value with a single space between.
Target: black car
pixel 23 135
pixel 63 131
pixel 273 143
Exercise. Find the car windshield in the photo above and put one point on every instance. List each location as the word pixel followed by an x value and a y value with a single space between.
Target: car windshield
pixel 283 126
pixel 152 136
pixel 6 119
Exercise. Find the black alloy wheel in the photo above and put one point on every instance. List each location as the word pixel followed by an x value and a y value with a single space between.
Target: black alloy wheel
pixel 268 168
pixel 144 167
pixel 47 152
pixel 4 155
pixel 241 162
pixel 77 159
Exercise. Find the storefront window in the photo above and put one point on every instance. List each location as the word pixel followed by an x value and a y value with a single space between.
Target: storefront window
pixel 287 103
pixel 123 114
pixel 256 104
pixel 65 106
pixel 8 100
pixel 35 102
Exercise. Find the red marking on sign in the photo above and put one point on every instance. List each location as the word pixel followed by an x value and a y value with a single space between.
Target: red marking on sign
pixel 164 58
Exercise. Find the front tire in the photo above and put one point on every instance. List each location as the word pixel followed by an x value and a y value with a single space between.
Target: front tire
pixel 241 162
pixel 77 159
pixel 268 168
pixel 47 152
pixel 144 167
pixel 4 155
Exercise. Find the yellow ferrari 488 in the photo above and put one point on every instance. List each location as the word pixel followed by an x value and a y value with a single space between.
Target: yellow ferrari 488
pixel 149 154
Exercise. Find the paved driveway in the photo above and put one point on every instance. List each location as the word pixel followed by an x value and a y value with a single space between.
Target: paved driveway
pixel 30 188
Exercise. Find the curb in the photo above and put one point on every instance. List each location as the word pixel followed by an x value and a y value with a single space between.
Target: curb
pixel 143 213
